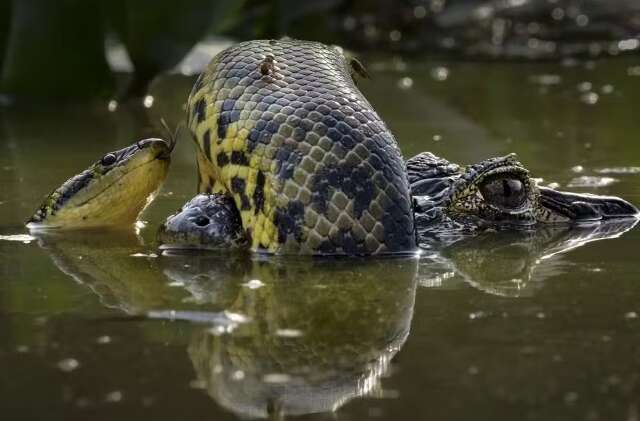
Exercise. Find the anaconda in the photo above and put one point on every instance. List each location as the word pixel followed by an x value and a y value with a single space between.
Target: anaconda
pixel 294 159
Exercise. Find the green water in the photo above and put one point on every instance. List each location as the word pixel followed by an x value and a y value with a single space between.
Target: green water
pixel 543 326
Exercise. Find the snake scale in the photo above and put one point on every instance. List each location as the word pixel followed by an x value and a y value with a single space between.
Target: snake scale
pixel 282 129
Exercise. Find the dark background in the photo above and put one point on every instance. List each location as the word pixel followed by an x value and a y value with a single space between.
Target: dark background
pixel 56 49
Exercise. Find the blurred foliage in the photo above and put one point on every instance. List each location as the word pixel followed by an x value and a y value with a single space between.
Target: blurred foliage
pixel 157 34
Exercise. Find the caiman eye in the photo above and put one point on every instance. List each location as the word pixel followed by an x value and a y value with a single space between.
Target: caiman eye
pixel 108 159
pixel 506 193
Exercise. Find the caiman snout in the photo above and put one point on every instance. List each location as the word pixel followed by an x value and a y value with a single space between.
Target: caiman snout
pixel 585 207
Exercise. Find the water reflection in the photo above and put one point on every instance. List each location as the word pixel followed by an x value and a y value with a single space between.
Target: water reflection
pixel 510 264
pixel 314 333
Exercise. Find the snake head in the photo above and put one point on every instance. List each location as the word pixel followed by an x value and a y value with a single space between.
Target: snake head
pixel 113 191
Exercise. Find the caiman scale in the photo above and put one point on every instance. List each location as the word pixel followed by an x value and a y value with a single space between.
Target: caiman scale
pixel 292 159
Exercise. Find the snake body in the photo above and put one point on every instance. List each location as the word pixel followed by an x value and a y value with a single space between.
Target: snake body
pixel 283 130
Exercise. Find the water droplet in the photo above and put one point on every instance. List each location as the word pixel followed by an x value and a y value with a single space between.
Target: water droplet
pixel 238 375
pixel 405 83
pixel 577 168
pixel 22 238
pixel 148 101
pixel 590 98
pixel 628 44
pixel 633 71
pixel 541 315
pixel 395 35
pixel 276 378
pixel 557 13
pixel 112 105
pixel 546 79
pixel 419 12
pixel 591 181
pixel 607 89
pixel 440 73
pixel 619 170
pixel 582 20
pixel 289 333
pixel 473 370
pixel 585 86
pixel 476 315
pixel 631 315
pixel 22 349
pixel 254 284
pixel 437 138
pixel 570 398
pixel 349 23
pixel 115 396
pixel 104 340
pixel 68 364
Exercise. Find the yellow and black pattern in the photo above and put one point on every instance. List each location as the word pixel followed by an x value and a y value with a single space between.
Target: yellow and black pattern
pixel 282 129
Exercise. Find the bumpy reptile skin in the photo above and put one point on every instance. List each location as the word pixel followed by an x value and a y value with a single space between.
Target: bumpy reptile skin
pixel 282 128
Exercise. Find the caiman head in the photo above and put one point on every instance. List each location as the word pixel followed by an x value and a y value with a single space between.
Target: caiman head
pixel 498 193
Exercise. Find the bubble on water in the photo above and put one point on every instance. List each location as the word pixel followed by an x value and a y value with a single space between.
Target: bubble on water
pixel 148 101
pixel 198 384
pixel 590 98
pixel 619 170
pixel 571 398
pixel 631 315
pixel 104 339
pixel 633 71
pixel 557 13
pixel 577 168
pixel 591 181
pixel 289 333
pixel 68 364
pixel 419 12
pixel 440 73
pixel 21 238
pixel 405 83
pixel 473 370
pixel 254 284
pixel 476 315
pixel 276 378
pixel 115 396
pixel 22 349
pixel 349 23
pixel 607 89
pixel 540 315
pixel 546 79
pixel 112 105
pixel 237 375
pixel 150 255
pixel 437 138
pixel 628 44
pixel 585 86
pixel 582 20
pixel 553 185
pixel 395 35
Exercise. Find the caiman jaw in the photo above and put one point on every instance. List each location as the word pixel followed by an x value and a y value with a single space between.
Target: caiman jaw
pixel 562 207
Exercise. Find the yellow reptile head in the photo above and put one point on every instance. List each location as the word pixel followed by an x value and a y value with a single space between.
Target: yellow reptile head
pixel 111 192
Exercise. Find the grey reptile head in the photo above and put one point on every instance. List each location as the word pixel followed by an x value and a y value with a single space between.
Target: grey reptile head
pixel 450 201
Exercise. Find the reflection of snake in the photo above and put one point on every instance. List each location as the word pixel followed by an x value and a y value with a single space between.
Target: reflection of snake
pixel 282 129
pixel 321 333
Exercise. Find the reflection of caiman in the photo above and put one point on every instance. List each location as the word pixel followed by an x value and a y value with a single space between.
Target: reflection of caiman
pixel 510 264
pixel 299 162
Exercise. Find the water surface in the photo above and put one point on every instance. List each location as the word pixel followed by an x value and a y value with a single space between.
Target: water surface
pixel 533 326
